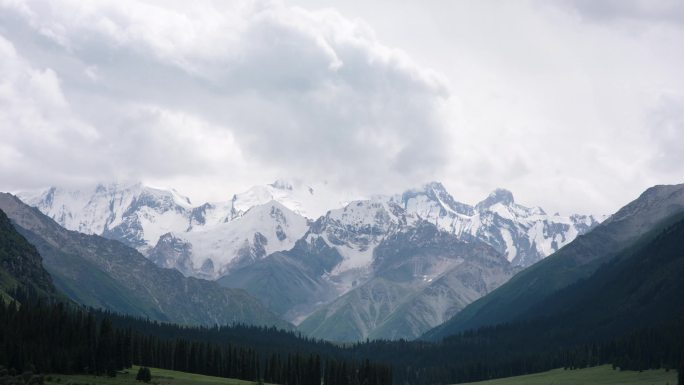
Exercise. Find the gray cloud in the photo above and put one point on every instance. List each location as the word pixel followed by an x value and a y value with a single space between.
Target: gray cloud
pixel 571 107
pixel 666 124
pixel 671 11
pixel 259 85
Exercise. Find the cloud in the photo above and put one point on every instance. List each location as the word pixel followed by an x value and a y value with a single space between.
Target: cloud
pixel 571 104
pixel 670 11
pixel 666 123
pixel 145 90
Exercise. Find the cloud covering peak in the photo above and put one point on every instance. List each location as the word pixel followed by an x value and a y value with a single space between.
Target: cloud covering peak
pixel 147 90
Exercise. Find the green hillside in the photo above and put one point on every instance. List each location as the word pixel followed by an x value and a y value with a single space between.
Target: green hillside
pixel 159 377
pixel 656 208
pixel 20 264
pixel 103 273
pixel 601 375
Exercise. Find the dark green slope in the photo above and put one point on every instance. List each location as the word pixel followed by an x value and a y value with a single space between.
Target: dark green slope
pixel 20 264
pixel 103 273
pixel 628 313
pixel 578 260
pixel 641 287
pixel 289 282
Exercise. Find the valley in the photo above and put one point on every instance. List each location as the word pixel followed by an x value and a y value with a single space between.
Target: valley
pixel 601 375
pixel 324 273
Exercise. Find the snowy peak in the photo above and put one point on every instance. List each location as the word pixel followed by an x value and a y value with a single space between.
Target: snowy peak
pixel 499 195
pixel 309 200
pixel 355 230
pixel 212 251
pixel 209 239
pixel 106 208
pixel 430 197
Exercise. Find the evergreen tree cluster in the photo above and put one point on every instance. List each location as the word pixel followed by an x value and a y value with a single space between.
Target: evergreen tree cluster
pixel 60 338
pixel 365 373
pixel 524 348
pixel 54 338
pixel 144 374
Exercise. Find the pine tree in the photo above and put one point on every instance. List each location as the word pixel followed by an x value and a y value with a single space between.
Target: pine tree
pixel 144 374
pixel 140 375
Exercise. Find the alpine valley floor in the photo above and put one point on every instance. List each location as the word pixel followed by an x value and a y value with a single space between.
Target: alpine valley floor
pixel 159 377
pixel 600 375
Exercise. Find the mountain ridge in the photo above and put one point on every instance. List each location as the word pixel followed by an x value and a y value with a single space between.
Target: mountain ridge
pixel 105 273
pixel 578 260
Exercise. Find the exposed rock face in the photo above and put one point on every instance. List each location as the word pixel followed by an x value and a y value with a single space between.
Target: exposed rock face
pixel 440 253
pixel 655 208
pixel 105 273
pixel 21 267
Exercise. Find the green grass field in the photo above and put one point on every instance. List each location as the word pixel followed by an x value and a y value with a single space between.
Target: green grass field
pixel 159 377
pixel 601 375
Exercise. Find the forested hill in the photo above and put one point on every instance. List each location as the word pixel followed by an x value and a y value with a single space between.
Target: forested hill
pixel 656 207
pixel 103 273
pixel 628 313
pixel 89 341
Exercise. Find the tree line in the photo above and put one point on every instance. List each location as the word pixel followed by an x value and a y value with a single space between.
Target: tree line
pixel 61 338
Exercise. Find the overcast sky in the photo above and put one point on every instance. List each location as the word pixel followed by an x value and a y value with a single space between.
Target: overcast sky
pixel 574 105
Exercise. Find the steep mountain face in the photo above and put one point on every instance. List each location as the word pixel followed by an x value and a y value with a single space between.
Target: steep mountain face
pixel 134 214
pixel 261 241
pixel 203 241
pixel 525 235
pixel 640 287
pixel 421 277
pixel 291 283
pixel 656 207
pixel 104 273
pixel 334 256
pixel 21 266
pixel 383 273
pixel 310 200
pixel 212 251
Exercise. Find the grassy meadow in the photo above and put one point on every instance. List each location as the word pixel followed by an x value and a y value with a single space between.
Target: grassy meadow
pixel 600 375
pixel 159 377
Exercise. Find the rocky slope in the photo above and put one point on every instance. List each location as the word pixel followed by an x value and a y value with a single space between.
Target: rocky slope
pixel 655 208
pixel 21 267
pixel 202 241
pixel 328 270
pixel 205 240
pixel 104 273
pixel 421 276
pixel 524 234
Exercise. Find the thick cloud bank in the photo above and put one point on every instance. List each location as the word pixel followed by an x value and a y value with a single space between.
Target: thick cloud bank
pixel 574 105
pixel 130 89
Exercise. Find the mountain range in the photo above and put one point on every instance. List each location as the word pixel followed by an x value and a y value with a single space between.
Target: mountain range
pixel 655 209
pixel 386 267
pixel 103 273
pixel 610 296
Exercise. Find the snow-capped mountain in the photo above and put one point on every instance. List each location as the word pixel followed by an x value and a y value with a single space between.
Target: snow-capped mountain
pixel 420 276
pixel 135 214
pixel 387 267
pixel 400 265
pixel 210 251
pixel 203 241
pixel 207 240
pixel 523 234
pixel 310 200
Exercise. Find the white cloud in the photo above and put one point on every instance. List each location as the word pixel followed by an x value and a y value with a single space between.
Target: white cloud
pixel 303 93
pixel 573 105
